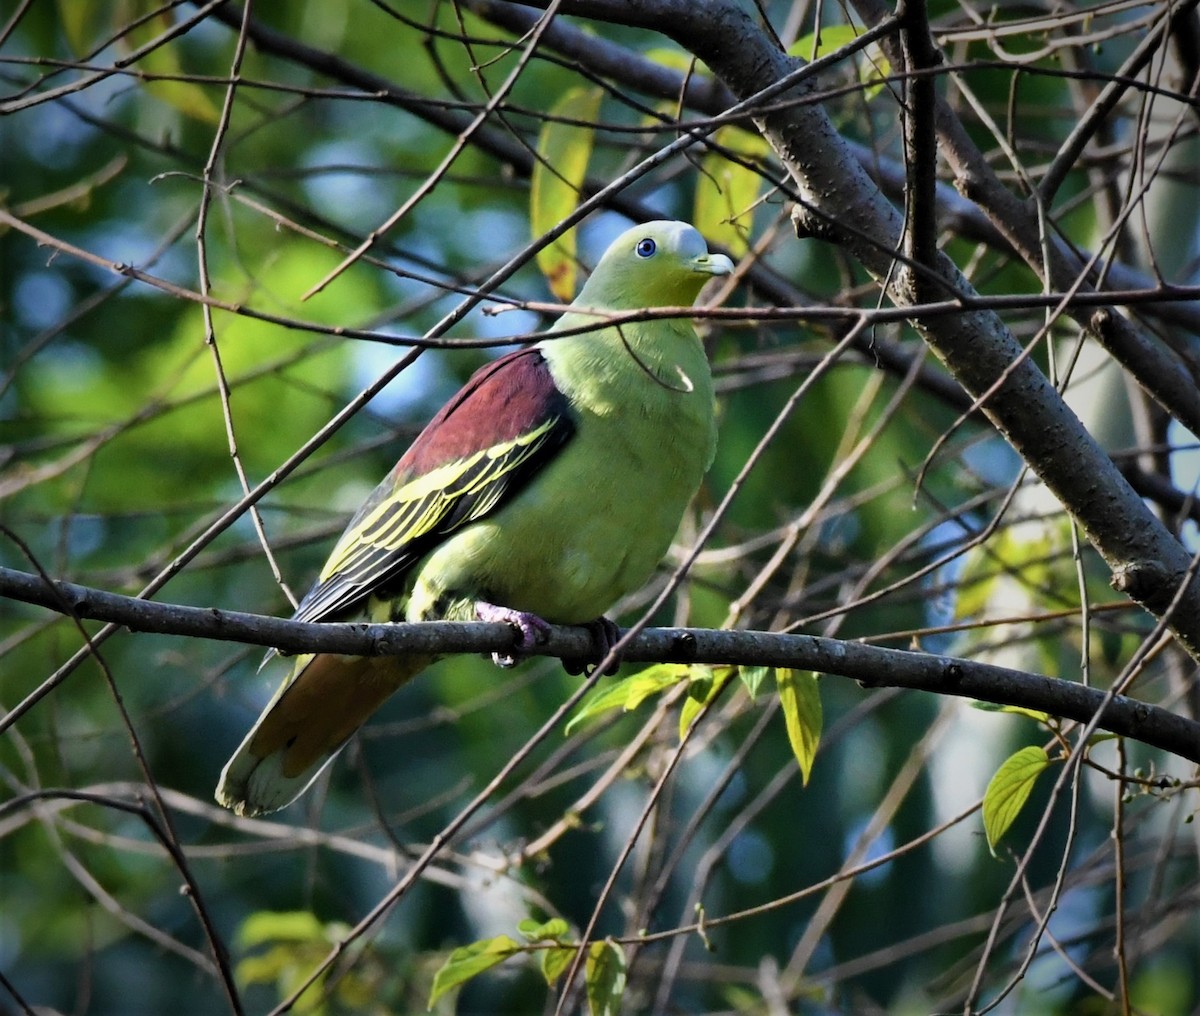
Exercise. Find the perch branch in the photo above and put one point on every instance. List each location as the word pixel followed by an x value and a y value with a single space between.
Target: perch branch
pixel 873 666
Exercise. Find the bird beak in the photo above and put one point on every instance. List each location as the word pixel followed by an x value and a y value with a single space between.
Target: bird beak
pixel 712 264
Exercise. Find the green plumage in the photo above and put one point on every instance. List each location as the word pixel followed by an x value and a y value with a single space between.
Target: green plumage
pixel 572 465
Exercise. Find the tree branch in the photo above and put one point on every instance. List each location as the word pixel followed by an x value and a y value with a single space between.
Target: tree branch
pixel 872 666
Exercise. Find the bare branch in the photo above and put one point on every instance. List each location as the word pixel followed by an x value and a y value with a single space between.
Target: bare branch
pixel 872 666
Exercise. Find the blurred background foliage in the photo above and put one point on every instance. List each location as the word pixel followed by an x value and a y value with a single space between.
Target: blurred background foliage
pixel 116 457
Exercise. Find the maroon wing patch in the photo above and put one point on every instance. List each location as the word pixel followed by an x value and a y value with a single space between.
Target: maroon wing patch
pixel 508 421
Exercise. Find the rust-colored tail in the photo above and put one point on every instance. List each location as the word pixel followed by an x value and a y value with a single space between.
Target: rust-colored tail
pixel 324 700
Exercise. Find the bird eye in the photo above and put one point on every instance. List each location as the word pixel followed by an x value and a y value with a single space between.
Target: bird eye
pixel 645 248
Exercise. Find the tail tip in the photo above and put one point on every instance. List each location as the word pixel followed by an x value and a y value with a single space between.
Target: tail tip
pixel 251 785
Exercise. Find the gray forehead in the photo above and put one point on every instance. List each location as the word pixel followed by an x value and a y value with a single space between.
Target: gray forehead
pixel 678 237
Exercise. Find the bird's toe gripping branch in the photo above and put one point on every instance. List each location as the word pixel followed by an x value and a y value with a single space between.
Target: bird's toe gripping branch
pixel 532 630
pixel 605 634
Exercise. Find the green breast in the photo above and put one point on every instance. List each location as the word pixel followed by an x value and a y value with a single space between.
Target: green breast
pixel 596 522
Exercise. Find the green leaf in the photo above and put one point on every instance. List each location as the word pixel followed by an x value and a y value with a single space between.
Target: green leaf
pixel 1101 737
pixel 705 686
pixel 1008 562
pixel 727 191
pixel 690 710
pixel 995 707
pixel 605 977
pixel 553 930
pixel 295 941
pixel 629 692
pixel 264 967
pixel 187 97
pixel 1009 789
pixel 834 37
pixel 279 926
pixel 676 59
pixel 752 678
pixel 470 960
pixel 83 23
pixel 555 961
pixel 831 38
pixel 801 701
pixel 563 152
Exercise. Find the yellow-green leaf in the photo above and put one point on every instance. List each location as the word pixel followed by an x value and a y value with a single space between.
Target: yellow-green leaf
pixel 752 678
pixel 874 71
pixel 1009 789
pixel 265 967
pixel 563 152
pixel 630 692
pixel 540 931
pixel 704 686
pixel 727 190
pixel 1008 560
pixel 470 960
pixel 554 961
pixel 605 977
pixel 688 712
pixel 801 701
pixel 279 926
pixel 84 24
pixel 995 707
pixel 831 38
pixel 187 97
pixel 676 59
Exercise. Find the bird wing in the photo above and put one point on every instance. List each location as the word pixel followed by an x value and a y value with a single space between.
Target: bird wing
pixel 508 421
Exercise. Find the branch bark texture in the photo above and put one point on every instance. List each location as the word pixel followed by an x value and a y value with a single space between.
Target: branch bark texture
pixel 872 666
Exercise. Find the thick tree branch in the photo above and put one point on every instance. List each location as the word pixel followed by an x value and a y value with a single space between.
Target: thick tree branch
pixel 873 666
pixel 920 139
pixel 1156 369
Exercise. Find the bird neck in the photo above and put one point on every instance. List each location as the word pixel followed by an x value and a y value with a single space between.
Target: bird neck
pixel 658 362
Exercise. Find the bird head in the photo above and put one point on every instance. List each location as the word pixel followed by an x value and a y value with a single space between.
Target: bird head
pixel 656 264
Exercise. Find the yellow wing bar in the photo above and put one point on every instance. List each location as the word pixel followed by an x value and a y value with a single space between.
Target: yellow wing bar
pixel 400 524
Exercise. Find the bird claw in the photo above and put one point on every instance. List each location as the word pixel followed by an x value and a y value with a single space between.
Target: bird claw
pixel 531 630
pixel 605 634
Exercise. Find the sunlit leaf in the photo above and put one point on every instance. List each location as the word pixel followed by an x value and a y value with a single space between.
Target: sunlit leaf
pixel 279 926
pixel 563 152
pixel 705 686
pixel 605 977
pixel 830 39
pixel 727 189
pixel 676 59
pixel 752 678
pixel 1009 789
pixel 296 941
pixel 873 71
pixel 470 960
pixel 629 692
pixel 1007 560
pixel 801 701
pixel 995 707
pixel 186 97
pixel 264 967
pixel 84 23
pixel 555 961
pixel 539 931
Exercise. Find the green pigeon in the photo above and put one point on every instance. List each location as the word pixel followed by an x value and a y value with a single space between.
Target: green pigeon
pixel 548 488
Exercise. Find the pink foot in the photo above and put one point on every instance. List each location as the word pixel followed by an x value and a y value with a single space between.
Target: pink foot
pixel 532 630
